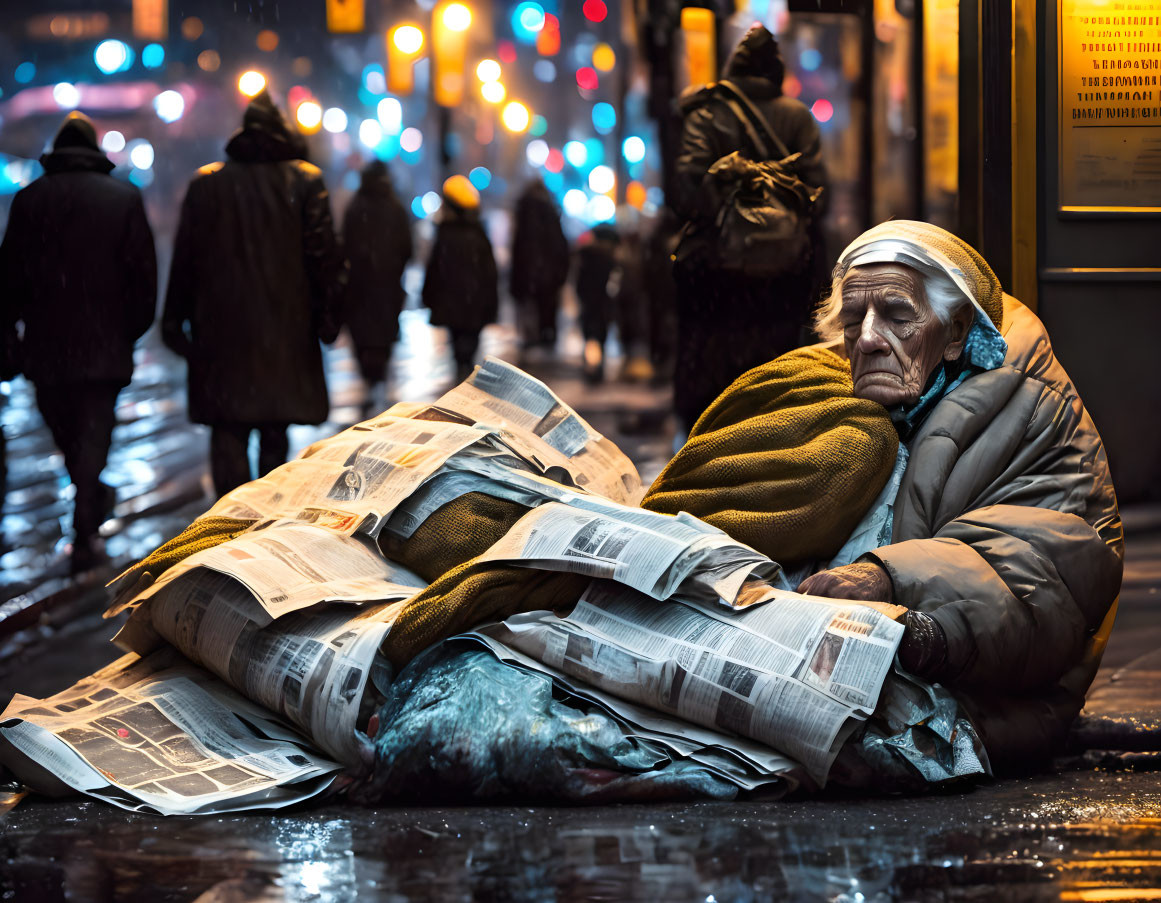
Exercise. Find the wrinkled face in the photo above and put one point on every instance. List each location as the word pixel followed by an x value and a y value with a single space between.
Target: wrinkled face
pixel 892 336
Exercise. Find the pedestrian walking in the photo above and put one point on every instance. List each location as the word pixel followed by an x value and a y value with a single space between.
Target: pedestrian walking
pixel 540 262
pixel 734 317
pixel 377 242
pixel 597 260
pixel 79 270
pixel 254 285
pixel 460 283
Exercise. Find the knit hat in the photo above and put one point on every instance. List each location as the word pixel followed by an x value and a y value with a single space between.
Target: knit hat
pixel 898 240
pixel 460 192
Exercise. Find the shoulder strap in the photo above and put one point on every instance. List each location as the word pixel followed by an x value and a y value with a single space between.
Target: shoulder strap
pixel 738 96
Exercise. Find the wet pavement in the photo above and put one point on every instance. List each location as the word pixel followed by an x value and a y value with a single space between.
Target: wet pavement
pixel 1088 830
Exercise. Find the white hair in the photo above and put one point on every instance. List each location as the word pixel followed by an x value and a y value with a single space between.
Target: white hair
pixel 945 297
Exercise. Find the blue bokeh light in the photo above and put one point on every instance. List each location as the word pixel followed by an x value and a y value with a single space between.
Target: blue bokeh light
pixel 480 177
pixel 810 59
pixel 152 56
pixel 25 72
pixel 604 117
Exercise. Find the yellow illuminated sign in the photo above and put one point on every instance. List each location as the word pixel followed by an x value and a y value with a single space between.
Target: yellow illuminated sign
pixel 151 19
pixel 698 29
pixel 1110 105
pixel 345 16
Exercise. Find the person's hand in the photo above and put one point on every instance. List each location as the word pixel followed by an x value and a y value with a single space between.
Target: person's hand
pixel 863 580
pixel 923 651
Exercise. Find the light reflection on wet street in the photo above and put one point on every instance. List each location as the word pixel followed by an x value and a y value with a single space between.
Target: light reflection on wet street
pixel 1045 839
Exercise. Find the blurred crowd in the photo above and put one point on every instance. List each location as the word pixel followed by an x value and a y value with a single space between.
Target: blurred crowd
pixel 260 275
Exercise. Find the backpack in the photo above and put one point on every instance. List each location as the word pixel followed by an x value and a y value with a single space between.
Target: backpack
pixel 761 227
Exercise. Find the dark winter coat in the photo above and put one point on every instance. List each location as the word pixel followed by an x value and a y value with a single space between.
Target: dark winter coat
pixel 377 241
pixel 256 278
pixel 729 322
pixel 596 261
pixel 78 267
pixel 460 284
pixel 540 257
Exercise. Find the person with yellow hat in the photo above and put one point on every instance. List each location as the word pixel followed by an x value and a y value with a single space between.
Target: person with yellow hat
pixel 460 283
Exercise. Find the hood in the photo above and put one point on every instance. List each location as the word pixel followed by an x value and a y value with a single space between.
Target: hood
pixel 75 148
pixel 265 136
pixel 376 178
pixel 757 60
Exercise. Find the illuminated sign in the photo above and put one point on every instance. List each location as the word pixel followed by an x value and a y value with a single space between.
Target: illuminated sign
pixel 151 19
pixel 1110 105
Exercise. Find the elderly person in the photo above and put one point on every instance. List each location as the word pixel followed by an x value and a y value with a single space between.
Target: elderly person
pixel 998 527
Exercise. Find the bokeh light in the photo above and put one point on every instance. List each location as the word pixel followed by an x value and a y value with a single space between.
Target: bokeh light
pixel 267 40
pixel 411 140
pixel 153 56
pixel 636 195
pixel 480 177
pixel 334 120
pixel 431 202
pixel 555 161
pixel 111 56
pixel 539 126
pixel 112 142
pixel 488 71
pixel 822 109
pixel 537 152
pixel 586 78
pixel 169 106
pixel 506 51
pixel 25 73
pixel 66 95
pixel 370 133
pixel 141 154
pixel 390 113
pixel 595 10
pixel 544 70
pixel 251 82
pixel 600 209
pixel 407 39
pixel 548 40
pixel 576 153
pixel 457 17
pixel 516 117
pixel 604 59
pixel 810 59
pixel 574 202
pixel 602 179
pixel 634 149
pixel 374 79
pixel 209 61
pixel 192 28
pixel 309 115
pixel 604 118
pixel 493 92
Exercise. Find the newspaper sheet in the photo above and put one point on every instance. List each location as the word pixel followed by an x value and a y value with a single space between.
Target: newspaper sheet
pixel 653 553
pixel 535 423
pixel 291 566
pixel 795 674
pixel 310 667
pixel 162 735
pixel 353 480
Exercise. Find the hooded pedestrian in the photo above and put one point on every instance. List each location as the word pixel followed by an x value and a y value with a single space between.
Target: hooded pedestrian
pixel 460 283
pixel 730 321
pixel 540 262
pixel 254 285
pixel 377 241
pixel 79 269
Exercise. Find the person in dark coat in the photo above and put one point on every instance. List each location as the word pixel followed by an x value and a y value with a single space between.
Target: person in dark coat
pixel 79 269
pixel 460 283
pixel 597 258
pixel 377 241
pixel 254 285
pixel 540 261
pixel 729 323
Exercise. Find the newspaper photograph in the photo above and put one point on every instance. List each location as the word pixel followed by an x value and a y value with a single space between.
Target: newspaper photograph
pixel 791 674
pixel 160 735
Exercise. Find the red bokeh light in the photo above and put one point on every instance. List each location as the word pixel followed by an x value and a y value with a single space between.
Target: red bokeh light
pixel 548 41
pixel 506 51
pixel 822 109
pixel 595 10
pixel 555 161
pixel 586 78
pixel 791 86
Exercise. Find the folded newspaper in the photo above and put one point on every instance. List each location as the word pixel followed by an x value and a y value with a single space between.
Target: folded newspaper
pixel 253 666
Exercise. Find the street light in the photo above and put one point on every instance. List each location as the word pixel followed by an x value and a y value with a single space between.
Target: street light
pixel 408 39
pixel 251 82
pixel 449 44
pixel 493 92
pixel 488 71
